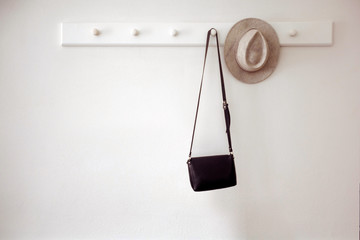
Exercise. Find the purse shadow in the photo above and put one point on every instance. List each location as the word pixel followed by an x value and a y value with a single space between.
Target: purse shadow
pixel 251 215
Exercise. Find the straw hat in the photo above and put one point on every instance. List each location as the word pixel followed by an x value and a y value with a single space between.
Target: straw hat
pixel 251 50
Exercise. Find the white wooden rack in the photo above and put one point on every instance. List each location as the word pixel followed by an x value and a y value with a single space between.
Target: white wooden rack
pixel 76 34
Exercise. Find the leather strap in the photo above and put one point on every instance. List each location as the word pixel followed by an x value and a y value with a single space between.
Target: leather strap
pixel 225 104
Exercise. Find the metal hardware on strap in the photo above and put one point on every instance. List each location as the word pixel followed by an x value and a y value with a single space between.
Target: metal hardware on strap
pixel 225 105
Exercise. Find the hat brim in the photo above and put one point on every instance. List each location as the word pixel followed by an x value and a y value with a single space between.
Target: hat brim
pixel 231 44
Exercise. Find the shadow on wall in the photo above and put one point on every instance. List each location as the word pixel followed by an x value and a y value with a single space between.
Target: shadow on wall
pixel 251 217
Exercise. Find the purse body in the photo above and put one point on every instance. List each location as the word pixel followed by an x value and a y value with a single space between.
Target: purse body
pixel 217 171
pixel 212 172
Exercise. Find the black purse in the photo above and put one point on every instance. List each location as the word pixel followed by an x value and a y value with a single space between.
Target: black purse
pixel 212 172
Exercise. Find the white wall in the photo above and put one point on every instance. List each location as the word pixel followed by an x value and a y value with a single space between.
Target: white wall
pixel 93 141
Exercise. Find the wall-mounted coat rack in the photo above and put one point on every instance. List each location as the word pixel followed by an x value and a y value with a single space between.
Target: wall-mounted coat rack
pixel 318 33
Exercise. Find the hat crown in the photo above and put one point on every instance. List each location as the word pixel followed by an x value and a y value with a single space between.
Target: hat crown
pixel 252 52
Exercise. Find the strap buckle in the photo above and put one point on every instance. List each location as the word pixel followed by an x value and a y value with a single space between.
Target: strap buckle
pixel 225 105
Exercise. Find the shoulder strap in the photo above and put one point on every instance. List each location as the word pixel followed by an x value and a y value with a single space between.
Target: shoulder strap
pixel 225 104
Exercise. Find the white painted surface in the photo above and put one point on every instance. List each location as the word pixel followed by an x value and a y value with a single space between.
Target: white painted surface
pixel 93 141
pixel 316 33
pixel 306 34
